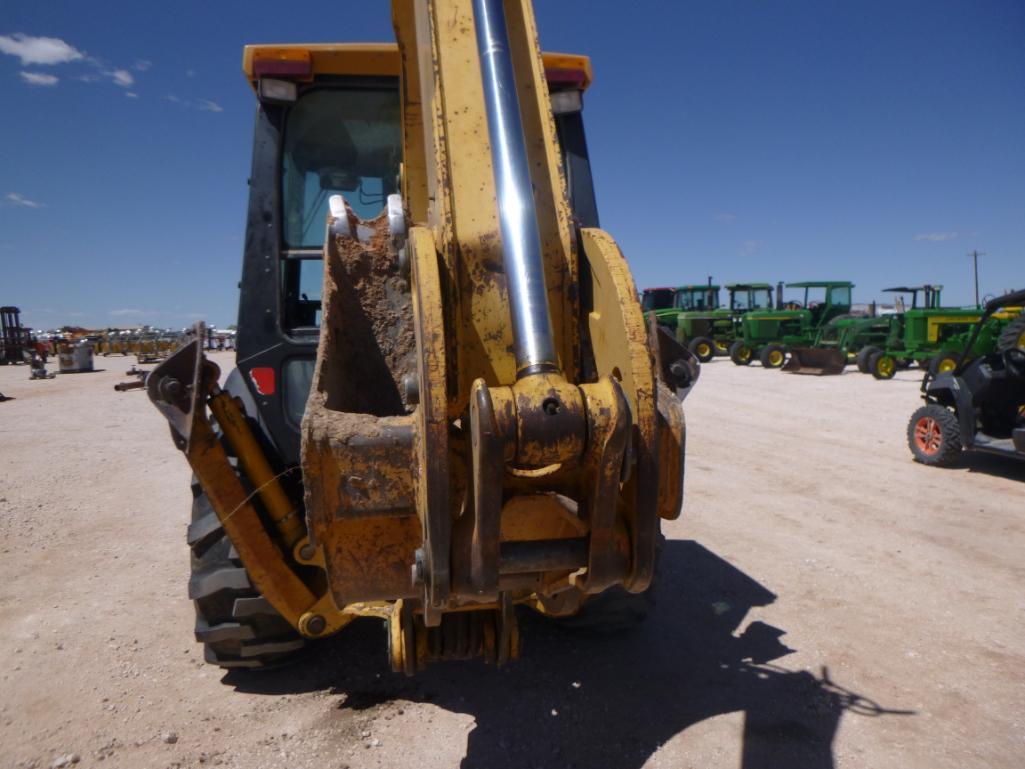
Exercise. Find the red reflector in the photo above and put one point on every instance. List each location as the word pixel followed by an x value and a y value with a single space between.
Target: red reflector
pixel 263 379
pixel 565 77
pixel 301 68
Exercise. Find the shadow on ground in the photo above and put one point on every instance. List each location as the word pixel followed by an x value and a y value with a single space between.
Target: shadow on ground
pixel 992 464
pixel 586 700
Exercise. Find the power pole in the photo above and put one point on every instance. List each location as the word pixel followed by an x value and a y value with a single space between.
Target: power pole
pixel 975 263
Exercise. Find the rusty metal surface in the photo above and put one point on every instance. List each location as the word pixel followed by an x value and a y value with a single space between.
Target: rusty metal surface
pixel 619 341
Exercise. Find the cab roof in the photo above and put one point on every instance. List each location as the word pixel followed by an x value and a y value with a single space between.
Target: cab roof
pixel 698 287
pixel 909 289
pixel 822 284
pixel 741 286
pixel 305 61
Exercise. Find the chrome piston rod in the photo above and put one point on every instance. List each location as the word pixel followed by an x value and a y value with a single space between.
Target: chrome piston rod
pixel 521 237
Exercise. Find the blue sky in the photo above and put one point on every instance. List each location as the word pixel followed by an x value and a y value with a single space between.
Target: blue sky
pixel 872 141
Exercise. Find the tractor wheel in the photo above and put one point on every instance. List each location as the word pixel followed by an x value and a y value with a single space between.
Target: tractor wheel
pixel 721 348
pixel 882 366
pixel 772 356
pixel 863 355
pixel 237 626
pixel 934 436
pixel 945 361
pixel 1012 336
pixel 924 363
pixel 740 353
pixel 703 348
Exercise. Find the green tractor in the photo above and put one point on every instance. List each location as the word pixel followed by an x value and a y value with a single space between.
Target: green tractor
pixel 846 336
pixel 668 303
pixel 768 335
pixel 937 338
pixel 708 333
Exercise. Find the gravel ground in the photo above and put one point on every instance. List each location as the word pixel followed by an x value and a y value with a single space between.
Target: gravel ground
pixel 824 602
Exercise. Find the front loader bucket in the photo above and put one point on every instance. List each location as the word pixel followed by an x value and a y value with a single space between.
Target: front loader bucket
pixel 815 360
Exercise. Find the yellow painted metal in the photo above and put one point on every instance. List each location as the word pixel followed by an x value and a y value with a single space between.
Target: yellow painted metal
pixel 269 572
pixel 372 59
pixel 283 513
pixel 460 188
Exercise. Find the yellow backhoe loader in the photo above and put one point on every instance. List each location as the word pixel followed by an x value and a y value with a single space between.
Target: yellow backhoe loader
pixel 446 403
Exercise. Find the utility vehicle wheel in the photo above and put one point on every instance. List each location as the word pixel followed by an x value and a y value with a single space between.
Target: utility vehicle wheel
pixel 934 436
pixel 945 361
pixel 703 348
pixel 772 356
pixel 1012 336
pixel 237 626
pixel 863 355
pixel 882 366
pixel 740 353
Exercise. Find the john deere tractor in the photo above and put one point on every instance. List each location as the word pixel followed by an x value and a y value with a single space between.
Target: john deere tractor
pixel 666 304
pixel 708 333
pixel 768 335
pixel 935 338
pixel 860 336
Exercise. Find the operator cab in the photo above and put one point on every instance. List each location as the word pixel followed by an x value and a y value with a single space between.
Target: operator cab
pixel 750 296
pixel 700 298
pixel 930 297
pixel 824 300
pixel 657 299
pixel 329 121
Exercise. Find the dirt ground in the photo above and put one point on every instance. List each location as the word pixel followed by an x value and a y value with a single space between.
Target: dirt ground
pixel 824 602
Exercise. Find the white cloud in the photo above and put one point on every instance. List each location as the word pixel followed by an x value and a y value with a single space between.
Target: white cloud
pixel 203 105
pixel 725 217
pixel 936 237
pixel 127 311
pixel 121 77
pixel 131 94
pixel 38 50
pixel 142 65
pixel 749 247
pixel 17 199
pixel 38 78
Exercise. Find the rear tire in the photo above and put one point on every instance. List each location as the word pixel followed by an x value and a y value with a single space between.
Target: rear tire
pixel 863 355
pixel 882 366
pixel 934 436
pixel 1012 336
pixel 740 353
pixel 772 356
pixel 236 625
pixel 703 348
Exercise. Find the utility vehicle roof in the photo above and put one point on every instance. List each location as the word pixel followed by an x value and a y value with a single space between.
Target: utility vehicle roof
pixel 304 61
